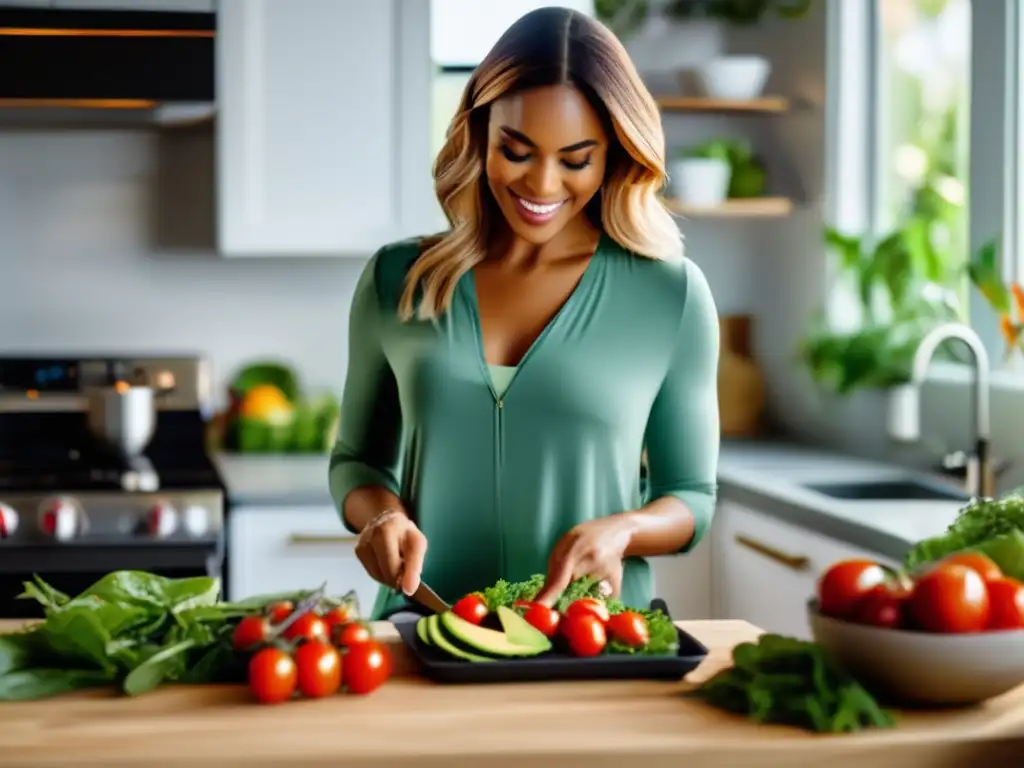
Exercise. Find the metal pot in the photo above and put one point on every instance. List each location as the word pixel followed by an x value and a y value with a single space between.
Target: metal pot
pixel 124 416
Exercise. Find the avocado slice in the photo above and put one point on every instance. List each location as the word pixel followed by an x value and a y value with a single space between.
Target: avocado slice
pixel 440 640
pixel 486 641
pixel 521 632
pixel 423 631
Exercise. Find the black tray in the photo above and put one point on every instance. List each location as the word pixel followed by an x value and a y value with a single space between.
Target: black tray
pixel 440 667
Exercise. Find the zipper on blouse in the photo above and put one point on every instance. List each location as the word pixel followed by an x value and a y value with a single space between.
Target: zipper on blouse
pixel 499 461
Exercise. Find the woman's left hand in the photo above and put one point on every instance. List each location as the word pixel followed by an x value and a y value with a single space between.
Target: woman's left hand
pixel 595 549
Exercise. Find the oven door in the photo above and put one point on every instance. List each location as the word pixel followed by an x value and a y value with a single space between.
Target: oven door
pixel 71 569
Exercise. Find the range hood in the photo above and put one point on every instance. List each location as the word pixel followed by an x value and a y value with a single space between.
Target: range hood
pixel 153 65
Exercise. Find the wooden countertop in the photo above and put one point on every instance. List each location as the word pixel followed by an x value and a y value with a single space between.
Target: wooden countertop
pixel 413 722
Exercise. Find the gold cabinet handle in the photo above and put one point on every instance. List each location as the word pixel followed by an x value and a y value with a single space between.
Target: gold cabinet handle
pixel 321 538
pixel 793 562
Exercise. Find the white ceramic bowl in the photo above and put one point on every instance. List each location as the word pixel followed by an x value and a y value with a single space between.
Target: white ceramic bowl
pixel 700 182
pixel 734 77
pixel 924 667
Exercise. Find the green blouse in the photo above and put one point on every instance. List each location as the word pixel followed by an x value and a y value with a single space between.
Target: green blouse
pixel 494 476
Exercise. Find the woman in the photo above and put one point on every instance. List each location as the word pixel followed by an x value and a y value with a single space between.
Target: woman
pixel 505 376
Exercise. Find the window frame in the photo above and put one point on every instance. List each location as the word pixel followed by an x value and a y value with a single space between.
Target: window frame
pixel 996 176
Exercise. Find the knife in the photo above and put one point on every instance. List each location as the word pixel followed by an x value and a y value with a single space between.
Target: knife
pixel 428 598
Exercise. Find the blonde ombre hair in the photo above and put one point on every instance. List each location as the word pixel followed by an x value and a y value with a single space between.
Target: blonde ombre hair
pixel 550 46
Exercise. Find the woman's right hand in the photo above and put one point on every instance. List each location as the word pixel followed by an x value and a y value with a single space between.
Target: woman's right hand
pixel 391 549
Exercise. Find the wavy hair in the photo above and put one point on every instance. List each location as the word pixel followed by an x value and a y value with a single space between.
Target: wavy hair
pixel 549 46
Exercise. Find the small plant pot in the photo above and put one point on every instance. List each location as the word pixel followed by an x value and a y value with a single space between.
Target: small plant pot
pixel 700 181
pixel 734 78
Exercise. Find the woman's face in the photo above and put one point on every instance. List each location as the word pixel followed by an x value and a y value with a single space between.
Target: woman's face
pixel 546 155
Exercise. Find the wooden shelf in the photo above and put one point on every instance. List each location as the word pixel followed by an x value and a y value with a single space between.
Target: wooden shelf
pixel 768 104
pixel 740 208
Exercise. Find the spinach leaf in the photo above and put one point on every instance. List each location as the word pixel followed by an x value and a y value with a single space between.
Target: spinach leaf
pixel 169 663
pixel 26 684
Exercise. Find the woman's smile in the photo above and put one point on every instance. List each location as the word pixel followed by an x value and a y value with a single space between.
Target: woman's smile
pixel 535 212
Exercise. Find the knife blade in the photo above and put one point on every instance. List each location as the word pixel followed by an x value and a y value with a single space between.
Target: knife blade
pixel 428 598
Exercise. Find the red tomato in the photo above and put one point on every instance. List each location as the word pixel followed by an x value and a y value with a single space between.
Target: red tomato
pixel 366 667
pixel 308 626
pixel 353 633
pixel 588 605
pixel 278 612
pixel 629 627
pixel 883 606
pixel 584 633
pixel 843 585
pixel 543 618
pixel 950 599
pixel 981 564
pixel 319 669
pixel 1006 597
pixel 272 676
pixel 338 616
pixel 472 608
pixel 250 632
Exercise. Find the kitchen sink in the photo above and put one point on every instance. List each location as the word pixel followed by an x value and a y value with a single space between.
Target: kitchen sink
pixel 898 489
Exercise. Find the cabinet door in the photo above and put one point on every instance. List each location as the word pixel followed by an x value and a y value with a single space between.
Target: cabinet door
pixel 192 6
pixel 767 569
pixel 323 144
pixel 684 582
pixel 274 549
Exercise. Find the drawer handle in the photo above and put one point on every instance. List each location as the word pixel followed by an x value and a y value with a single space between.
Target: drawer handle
pixel 298 539
pixel 793 562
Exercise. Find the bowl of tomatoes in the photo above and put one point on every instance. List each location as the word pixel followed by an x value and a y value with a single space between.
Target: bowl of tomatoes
pixel 950 633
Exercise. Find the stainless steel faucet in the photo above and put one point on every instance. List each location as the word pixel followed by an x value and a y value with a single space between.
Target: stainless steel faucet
pixel 905 401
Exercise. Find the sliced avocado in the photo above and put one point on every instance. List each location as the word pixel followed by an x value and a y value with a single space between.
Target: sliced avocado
pixel 520 632
pixel 487 641
pixel 423 631
pixel 440 640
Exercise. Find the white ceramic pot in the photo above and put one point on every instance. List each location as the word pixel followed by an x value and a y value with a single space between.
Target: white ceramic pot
pixel 700 181
pixel 736 78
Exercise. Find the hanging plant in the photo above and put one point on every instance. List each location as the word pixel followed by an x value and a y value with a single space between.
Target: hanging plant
pixel 739 12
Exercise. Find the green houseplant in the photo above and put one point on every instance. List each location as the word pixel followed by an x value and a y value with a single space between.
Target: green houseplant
pixel 624 16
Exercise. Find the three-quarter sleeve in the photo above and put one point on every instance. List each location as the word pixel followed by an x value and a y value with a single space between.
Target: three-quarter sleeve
pixel 682 435
pixel 367 451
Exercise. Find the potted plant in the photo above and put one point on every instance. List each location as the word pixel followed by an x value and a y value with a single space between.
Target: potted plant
pixel 1006 300
pixel 692 181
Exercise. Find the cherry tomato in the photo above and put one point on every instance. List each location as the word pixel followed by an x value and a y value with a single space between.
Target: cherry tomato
pixel 584 633
pixel 319 669
pixel 951 599
pixel 353 633
pixel 278 612
pixel 272 676
pixel 588 605
pixel 883 606
pixel 543 618
pixel 338 616
pixel 472 608
pixel 981 564
pixel 366 667
pixel 308 626
pixel 250 632
pixel 630 628
pixel 1006 598
pixel 843 585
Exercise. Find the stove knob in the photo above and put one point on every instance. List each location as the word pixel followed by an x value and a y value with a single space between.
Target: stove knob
pixel 197 521
pixel 8 522
pixel 61 519
pixel 162 521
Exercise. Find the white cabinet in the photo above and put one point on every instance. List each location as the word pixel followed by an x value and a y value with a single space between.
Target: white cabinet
pixel 684 582
pixel 323 126
pixel 192 6
pixel 276 549
pixel 765 570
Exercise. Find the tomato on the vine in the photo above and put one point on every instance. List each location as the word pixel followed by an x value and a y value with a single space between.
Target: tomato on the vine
pixel 981 564
pixel 249 633
pixel 951 599
pixel 588 606
pixel 319 669
pixel 308 626
pixel 366 667
pixel 352 634
pixel 338 616
pixel 278 612
pixel 584 633
pixel 472 608
pixel 273 676
pixel 1006 598
pixel 630 628
pixel 542 618
pixel 883 606
pixel 844 584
